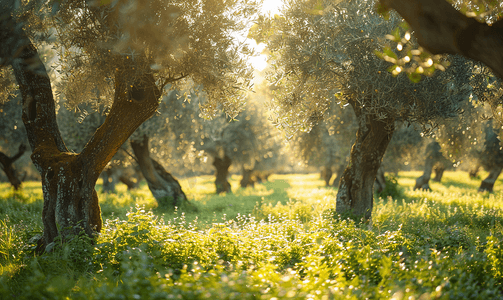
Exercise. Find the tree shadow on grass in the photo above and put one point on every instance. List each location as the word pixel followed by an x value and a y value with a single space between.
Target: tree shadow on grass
pixel 448 182
pixel 215 208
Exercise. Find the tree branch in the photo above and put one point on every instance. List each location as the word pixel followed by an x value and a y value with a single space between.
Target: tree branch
pixel 39 113
pixel 20 152
pixel 172 79
pixel 130 155
pixel 440 28
pixel 123 119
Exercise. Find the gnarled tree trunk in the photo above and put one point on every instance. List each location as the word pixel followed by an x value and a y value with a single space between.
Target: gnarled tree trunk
pixel 433 155
pixel 439 170
pixel 164 187
pixel 356 193
pixel 488 183
pixel 327 174
pixel 69 179
pixel 491 158
pixel 8 167
pixel 221 174
pixel 248 178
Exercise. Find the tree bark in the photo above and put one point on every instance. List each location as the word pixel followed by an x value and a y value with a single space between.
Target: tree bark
pixel 69 179
pixel 221 174
pixel 356 193
pixel 248 178
pixel 491 158
pixel 164 187
pixel 488 183
pixel 8 167
pixel 327 174
pixel 439 172
pixel 440 28
pixel 433 155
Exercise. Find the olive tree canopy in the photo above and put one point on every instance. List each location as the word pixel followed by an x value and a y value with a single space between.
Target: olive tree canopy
pixel 120 54
pixel 322 48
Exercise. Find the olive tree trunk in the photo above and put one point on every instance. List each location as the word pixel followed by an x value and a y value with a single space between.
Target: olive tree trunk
pixel 69 179
pixel 488 183
pixel 356 193
pixel 433 155
pixel 327 174
pixel 7 166
pixel 439 170
pixel 247 178
pixel 491 158
pixel 164 187
pixel 221 174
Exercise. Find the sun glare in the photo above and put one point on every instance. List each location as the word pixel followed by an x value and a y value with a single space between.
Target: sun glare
pixel 269 7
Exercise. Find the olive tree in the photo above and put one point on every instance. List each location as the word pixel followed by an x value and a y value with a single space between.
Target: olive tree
pixel 164 187
pixel 247 142
pixel 127 51
pixel 325 46
pixel 491 157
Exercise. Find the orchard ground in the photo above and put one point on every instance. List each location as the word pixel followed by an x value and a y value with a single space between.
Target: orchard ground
pixel 280 240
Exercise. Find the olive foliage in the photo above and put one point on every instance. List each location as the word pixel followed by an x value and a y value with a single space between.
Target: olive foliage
pixel 174 40
pixel 322 48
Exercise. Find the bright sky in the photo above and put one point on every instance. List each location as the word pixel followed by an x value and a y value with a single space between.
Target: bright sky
pixel 270 7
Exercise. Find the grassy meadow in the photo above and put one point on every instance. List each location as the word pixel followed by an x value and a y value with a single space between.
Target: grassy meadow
pixel 279 240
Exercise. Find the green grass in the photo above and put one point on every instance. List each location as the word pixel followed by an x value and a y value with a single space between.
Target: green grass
pixel 280 240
